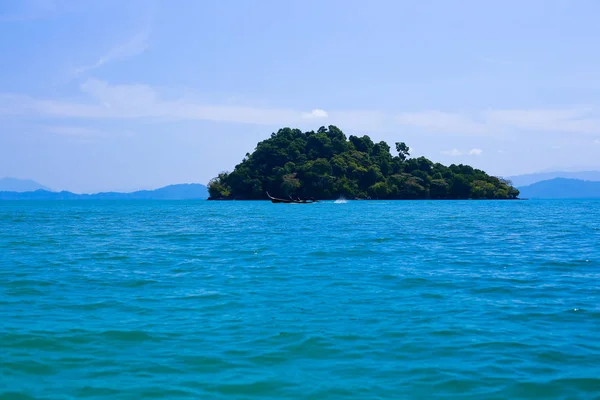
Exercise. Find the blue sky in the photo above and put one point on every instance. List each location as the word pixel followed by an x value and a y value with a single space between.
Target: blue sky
pixel 121 95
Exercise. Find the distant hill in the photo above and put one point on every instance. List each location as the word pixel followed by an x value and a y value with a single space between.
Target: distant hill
pixel 20 185
pixel 562 188
pixel 192 191
pixel 528 179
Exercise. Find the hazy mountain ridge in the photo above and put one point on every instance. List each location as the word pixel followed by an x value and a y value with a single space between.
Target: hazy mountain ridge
pixel 562 188
pixel 191 191
pixel 20 185
pixel 529 179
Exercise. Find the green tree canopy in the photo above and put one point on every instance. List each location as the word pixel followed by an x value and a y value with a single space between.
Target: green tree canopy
pixel 326 165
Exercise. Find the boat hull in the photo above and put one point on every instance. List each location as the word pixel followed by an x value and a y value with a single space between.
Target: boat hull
pixel 275 200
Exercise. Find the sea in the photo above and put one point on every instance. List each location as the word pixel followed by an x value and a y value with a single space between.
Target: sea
pixel 333 300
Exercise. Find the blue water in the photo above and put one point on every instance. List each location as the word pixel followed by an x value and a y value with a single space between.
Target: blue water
pixel 250 300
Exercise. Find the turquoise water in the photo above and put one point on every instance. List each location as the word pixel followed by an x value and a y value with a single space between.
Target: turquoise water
pixel 250 300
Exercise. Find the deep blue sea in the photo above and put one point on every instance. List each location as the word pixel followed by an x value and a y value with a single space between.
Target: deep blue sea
pixel 253 300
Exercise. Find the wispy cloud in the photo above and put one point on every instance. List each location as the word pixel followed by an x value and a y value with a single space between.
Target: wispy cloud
pixel 454 152
pixel 574 120
pixel 132 47
pixel 457 153
pixel 72 131
pixel 101 100
pixel 443 122
pixel 82 132
pixel 141 101
pixel 27 10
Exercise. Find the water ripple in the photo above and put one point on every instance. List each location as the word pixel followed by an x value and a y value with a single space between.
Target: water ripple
pixel 249 300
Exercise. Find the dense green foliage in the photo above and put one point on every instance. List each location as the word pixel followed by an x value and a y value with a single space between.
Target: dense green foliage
pixel 327 165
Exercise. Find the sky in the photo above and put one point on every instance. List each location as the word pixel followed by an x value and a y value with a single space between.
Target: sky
pixel 126 95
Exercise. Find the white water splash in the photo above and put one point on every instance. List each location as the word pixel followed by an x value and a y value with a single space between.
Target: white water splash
pixel 341 200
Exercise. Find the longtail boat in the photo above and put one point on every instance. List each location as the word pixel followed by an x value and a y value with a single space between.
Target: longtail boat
pixel 291 200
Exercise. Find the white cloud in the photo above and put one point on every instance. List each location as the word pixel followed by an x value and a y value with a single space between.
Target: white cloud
pixel 316 113
pixel 454 152
pixel 121 97
pixel 140 101
pixel 84 132
pixel 443 122
pixel 577 120
pixel 130 48
pixel 72 131
pixel 568 120
pixel 101 100
pixel 457 153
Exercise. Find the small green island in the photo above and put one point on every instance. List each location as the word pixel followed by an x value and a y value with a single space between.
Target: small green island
pixel 326 165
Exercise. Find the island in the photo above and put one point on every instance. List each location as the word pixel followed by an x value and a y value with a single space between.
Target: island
pixel 326 165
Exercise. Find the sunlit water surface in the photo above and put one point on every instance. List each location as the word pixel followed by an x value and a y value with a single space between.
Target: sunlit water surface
pixel 346 300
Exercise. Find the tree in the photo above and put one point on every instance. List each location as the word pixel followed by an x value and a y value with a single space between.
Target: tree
pixel 380 190
pixel 363 144
pixel 513 193
pixel 439 189
pixel 324 164
pixel 217 188
pixel 460 187
pixel 403 150
pixel 289 184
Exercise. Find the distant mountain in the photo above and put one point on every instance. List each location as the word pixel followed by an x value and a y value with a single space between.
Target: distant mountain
pixel 528 179
pixel 191 191
pixel 561 188
pixel 20 185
